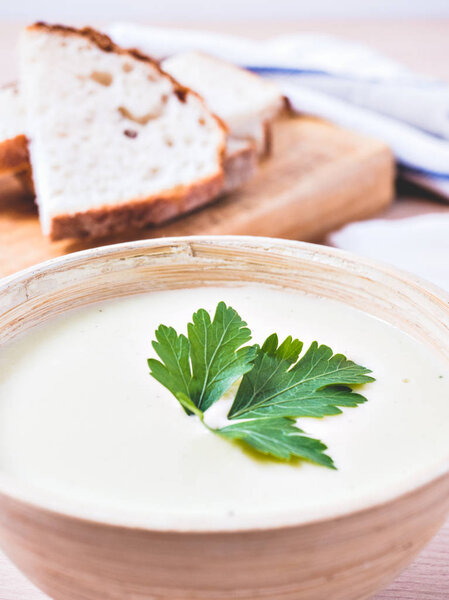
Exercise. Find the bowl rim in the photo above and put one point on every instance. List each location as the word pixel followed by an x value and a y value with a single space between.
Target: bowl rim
pixel 17 493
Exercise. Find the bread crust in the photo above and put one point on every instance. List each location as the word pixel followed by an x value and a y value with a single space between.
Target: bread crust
pixel 14 157
pixel 101 222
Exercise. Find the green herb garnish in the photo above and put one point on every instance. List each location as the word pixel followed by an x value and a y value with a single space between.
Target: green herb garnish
pixel 276 387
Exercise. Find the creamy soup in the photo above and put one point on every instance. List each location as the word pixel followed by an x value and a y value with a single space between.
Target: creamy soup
pixel 85 428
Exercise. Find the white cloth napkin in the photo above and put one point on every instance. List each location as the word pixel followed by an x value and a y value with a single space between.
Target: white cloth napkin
pixel 416 244
pixel 341 81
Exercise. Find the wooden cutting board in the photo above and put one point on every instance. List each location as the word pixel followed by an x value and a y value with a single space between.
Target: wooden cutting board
pixel 318 178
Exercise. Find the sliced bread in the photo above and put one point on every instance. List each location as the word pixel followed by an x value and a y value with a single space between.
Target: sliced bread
pixel 244 101
pixel 240 162
pixel 13 144
pixel 114 141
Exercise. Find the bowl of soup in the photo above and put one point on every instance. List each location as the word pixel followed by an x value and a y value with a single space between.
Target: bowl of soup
pixel 109 489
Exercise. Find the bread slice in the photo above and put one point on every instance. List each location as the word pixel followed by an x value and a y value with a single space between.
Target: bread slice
pixel 246 102
pixel 114 141
pixel 240 162
pixel 240 157
pixel 13 144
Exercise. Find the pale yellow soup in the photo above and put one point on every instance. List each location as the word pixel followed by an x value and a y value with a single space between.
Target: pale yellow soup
pixel 85 429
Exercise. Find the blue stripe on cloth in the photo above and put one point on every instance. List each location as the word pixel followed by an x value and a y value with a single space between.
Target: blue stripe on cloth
pixel 423 172
pixel 286 71
pixel 264 70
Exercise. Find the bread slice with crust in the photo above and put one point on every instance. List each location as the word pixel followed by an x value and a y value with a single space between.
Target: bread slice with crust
pixel 13 144
pixel 240 161
pixel 114 141
pixel 246 102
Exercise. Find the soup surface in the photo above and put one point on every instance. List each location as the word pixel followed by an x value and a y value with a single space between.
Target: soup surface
pixel 84 428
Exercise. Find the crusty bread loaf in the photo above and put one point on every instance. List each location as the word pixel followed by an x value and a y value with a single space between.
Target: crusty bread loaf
pixel 13 144
pixel 114 141
pixel 244 101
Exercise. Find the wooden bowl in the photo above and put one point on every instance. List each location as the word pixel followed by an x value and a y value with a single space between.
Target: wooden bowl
pixel 348 557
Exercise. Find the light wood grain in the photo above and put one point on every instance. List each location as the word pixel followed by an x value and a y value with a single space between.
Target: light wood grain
pixel 348 557
pixel 318 178
pixel 426 579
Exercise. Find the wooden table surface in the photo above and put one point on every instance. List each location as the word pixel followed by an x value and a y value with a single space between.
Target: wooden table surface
pixel 424 46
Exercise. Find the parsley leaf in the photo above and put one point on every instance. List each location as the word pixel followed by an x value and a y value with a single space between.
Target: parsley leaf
pixel 174 370
pixel 217 361
pixel 280 438
pixel 200 368
pixel 314 386
pixel 276 387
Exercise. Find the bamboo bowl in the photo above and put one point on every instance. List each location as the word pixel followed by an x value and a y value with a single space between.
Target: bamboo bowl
pixel 348 557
